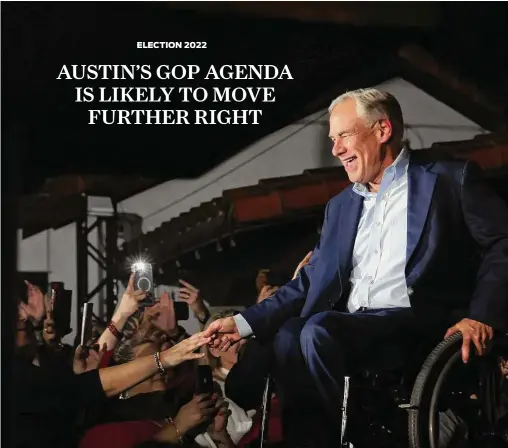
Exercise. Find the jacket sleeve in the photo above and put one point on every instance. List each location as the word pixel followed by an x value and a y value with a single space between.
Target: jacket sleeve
pixel 486 217
pixel 266 317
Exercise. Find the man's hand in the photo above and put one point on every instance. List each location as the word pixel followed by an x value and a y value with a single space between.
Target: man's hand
pixel 267 291
pixel 224 333
pixel 474 331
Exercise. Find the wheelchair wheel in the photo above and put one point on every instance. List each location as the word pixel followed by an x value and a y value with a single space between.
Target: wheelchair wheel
pixel 445 386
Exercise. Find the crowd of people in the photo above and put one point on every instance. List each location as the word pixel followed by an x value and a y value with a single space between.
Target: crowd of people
pixel 133 384
pixel 410 243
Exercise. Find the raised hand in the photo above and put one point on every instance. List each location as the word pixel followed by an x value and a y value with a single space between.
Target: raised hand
pixel 34 307
pixel 184 350
pixel 472 331
pixel 223 332
pixel 22 314
pixel 190 295
pixel 129 303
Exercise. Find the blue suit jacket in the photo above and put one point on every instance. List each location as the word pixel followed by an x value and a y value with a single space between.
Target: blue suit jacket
pixel 457 252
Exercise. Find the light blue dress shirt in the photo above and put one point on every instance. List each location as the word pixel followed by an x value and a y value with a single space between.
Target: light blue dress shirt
pixel 378 277
pixel 379 255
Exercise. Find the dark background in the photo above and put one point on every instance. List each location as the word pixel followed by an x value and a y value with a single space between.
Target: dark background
pixel 48 131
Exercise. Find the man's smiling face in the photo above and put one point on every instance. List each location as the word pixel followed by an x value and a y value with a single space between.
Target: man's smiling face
pixel 356 144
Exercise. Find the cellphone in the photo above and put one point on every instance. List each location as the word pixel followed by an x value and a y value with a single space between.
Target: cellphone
pixel 86 324
pixel 204 380
pixel 143 280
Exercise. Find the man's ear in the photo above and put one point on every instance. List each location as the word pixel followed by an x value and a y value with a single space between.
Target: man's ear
pixel 386 130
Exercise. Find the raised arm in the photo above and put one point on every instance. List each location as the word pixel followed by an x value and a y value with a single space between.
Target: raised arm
pixel 129 304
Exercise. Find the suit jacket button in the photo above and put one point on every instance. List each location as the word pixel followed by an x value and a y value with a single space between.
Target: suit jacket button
pixel 331 303
pixel 410 291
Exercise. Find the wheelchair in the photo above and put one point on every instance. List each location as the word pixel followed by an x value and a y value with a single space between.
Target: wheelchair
pixel 444 403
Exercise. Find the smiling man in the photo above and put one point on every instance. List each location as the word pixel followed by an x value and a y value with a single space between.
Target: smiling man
pixel 395 260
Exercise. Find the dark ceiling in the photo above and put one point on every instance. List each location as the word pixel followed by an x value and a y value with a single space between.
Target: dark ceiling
pixel 48 131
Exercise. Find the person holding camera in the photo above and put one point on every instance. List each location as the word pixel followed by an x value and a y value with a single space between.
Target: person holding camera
pixel 142 411
pixel 48 400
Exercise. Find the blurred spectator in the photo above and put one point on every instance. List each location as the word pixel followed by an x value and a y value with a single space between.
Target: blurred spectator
pixel 49 399
pixel 142 412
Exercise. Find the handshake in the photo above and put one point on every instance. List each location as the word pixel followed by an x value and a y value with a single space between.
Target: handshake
pixel 223 333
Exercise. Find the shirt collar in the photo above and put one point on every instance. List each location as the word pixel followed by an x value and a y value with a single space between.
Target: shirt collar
pixel 394 172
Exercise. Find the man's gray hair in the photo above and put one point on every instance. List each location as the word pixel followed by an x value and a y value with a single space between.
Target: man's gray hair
pixel 373 105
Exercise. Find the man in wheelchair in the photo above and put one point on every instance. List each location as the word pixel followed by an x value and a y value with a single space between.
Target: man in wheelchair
pixel 398 254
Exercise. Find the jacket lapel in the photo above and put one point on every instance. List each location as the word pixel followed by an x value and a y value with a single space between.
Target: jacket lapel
pixel 348 228
pixel 421 184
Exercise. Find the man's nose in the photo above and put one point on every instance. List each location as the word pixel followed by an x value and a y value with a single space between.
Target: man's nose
pixel 338 149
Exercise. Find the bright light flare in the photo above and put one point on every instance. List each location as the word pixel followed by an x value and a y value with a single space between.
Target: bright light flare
pixel 139 264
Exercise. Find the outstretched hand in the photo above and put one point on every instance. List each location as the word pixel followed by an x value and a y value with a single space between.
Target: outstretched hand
pixel 184 350
pixel 472 331
pixel 223 332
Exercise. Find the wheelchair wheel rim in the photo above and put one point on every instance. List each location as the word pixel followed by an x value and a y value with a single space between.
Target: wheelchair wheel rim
pixel 433 408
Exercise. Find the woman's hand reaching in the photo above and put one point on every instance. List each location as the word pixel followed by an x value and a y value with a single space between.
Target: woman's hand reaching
pixel 184 351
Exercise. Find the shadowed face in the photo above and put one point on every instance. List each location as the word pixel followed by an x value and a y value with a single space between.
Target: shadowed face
pixel 358 144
